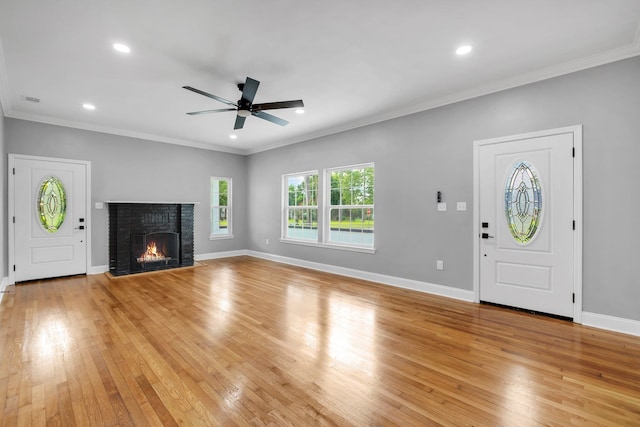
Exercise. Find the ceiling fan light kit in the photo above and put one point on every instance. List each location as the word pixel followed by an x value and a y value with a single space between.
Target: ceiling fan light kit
pixel 245 106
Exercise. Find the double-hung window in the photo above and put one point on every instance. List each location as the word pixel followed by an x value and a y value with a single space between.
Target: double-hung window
pixel 342 218
pixel 349 209
pixel 220 208
pixel 301 207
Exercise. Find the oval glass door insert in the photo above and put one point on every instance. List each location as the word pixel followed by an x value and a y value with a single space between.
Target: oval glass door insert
pixel 52 204
pixel 523 202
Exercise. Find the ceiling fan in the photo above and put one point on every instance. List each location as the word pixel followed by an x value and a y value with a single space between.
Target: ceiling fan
pixel 245 106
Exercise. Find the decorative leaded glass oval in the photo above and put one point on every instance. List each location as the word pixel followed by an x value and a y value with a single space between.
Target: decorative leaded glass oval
pixel 523 202
pixel 52 204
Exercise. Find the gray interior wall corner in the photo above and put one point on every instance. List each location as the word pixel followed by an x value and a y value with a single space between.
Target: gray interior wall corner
pixel 132 169
pixel 417 155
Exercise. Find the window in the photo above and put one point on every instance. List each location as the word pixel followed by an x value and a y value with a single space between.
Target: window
pixel 220 208
pixel 301 207
pixel 52 206
pixel 343 218
pixel 349 218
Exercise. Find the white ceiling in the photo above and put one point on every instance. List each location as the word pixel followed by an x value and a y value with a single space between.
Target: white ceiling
pixel 353 62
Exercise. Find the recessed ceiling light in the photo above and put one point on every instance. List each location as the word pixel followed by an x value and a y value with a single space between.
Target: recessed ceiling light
pixel 463 50
pixel 88 106
pixel 300 111
pixel 121 47
pixel 233 136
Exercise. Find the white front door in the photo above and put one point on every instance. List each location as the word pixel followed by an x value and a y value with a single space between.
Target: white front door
pixel 526 222
pixel 49 217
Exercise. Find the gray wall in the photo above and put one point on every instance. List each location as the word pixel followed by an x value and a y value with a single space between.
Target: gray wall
pixel 417 155
pixel 133 169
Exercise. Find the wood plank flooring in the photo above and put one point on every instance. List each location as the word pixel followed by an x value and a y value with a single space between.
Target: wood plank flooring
pixel 243 341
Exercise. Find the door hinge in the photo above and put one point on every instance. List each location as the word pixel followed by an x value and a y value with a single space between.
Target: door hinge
pixel 14 171
pixel 14 267
pixel 573 151
pixel 14 219
pixel 573 299
pixel 574 224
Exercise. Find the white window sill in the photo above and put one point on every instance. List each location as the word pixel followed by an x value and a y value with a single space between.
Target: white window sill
pixel 360 249
pixel 221 237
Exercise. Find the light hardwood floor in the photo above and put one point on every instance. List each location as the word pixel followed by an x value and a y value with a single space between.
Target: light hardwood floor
pixel 243 341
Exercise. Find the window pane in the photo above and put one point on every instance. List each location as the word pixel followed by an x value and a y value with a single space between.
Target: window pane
pixel 302 223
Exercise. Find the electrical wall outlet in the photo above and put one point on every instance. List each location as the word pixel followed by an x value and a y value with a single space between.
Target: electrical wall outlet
pixel 440 264
pixel 266 241
pixel 442 207
pixel 462 206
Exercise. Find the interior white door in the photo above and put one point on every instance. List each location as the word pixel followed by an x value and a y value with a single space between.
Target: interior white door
pixel 48 188
pixel 527 223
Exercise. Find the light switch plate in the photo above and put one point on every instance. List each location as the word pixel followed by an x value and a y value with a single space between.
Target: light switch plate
pixel 99 205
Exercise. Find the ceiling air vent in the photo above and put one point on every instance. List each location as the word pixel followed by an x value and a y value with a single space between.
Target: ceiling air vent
pixel 32 99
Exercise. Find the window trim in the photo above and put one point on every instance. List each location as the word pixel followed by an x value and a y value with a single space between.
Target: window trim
pixel 229 234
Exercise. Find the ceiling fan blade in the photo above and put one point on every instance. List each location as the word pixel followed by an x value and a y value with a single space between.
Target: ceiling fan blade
pixel 195 113
pixel 249 90
pixel 277 105
pixel 217 98
pixel 270 118
pixel 239 122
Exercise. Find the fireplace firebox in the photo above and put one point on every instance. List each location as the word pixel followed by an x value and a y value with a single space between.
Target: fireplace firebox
pixel 149 236
pixel 155 251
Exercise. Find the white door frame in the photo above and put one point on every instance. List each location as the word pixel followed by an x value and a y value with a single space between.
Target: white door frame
pixel 12 212
pixel 577 208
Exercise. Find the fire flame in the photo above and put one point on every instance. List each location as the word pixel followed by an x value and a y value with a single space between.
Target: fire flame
pixel 152 253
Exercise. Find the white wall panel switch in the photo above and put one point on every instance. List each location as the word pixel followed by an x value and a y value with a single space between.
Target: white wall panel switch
pixel 99 205
pixel 440 264
pixel 462 206
pixel 442 207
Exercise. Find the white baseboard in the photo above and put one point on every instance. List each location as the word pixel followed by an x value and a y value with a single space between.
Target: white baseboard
pixel 3 286
pixel 216 255
pixel 611 323
pixel 430 288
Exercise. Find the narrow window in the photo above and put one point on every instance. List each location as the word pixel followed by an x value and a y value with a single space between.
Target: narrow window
pixel 300 220
pixel 349 218
pixel 220 208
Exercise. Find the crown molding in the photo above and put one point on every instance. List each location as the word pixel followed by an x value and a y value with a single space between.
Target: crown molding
pixel 565 68
pixel 120 132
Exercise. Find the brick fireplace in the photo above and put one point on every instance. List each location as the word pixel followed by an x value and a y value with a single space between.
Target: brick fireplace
pixel 149 236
